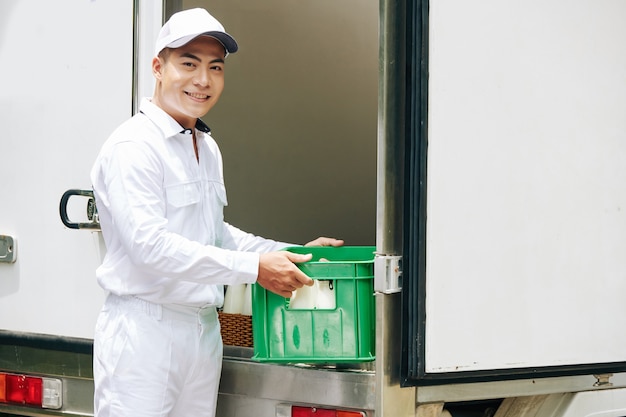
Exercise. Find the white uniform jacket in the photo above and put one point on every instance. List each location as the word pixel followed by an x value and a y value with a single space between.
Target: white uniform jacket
pixel 161 213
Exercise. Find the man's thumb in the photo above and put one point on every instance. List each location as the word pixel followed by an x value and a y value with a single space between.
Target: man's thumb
pixel 299 258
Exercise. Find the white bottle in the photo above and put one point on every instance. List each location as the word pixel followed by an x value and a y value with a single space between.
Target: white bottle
pixel 325 298
pixel 247 301
pixel 233 300
pixel 304 297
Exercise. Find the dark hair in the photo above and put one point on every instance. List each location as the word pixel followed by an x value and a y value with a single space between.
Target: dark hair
pixel 165 53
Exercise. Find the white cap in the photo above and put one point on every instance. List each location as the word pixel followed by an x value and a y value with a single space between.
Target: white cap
pixel 187 25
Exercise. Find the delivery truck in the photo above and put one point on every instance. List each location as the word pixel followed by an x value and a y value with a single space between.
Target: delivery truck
pixel 478 147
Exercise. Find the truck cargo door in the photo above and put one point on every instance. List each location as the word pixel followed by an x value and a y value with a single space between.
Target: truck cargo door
pixel 514 261
pixel 67 80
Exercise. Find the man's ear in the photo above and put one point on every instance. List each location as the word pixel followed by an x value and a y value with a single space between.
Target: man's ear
pixel 157 67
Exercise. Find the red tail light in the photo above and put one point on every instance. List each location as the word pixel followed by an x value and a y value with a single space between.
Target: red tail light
pixel 30 390
pixel 22 389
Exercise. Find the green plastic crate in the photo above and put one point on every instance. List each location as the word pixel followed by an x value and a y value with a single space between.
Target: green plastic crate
pixel 343 334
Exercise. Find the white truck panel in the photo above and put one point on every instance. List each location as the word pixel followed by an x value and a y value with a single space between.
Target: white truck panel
pixel 63 65
pixel 526 196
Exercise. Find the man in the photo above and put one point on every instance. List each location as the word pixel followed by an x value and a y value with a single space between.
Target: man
pixel 159 188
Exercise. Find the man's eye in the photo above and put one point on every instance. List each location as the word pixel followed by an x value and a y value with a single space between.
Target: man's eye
pixel 217 68
pixel 189 64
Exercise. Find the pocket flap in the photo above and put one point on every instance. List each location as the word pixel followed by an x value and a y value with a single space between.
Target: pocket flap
pixel 181 195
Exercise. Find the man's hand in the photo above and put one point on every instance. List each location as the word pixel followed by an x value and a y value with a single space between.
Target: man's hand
pixel 325 241
pixel 279 274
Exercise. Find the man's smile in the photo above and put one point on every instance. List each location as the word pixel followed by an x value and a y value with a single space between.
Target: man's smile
pixel 197 95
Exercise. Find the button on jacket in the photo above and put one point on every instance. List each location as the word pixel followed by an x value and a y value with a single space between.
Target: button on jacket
pixel 161 213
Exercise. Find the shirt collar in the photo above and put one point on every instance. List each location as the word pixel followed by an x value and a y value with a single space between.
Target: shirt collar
pixel 165 122
pixel 202 127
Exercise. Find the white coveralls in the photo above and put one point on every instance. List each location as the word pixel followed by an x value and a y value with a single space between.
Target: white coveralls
pixel 157 345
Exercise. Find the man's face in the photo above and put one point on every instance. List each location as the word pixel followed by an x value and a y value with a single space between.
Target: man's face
pixel 190 79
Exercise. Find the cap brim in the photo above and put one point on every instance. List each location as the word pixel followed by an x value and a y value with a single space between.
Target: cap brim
pixel 227 41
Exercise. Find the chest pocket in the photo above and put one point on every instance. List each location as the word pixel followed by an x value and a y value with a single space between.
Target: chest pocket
pixel 181 195
pixel 196 210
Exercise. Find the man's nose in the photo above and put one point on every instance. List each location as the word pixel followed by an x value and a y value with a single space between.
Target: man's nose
pixel 203 78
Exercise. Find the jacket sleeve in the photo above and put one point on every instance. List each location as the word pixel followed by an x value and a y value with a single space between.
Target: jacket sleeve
pixel 237 239
pixel 127 182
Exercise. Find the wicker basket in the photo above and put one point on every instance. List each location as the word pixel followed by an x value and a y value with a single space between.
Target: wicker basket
pixel 236 329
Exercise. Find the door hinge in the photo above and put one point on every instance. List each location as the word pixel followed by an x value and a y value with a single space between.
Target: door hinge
pixel 8 249
pixel 387 274
pixel 603 380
